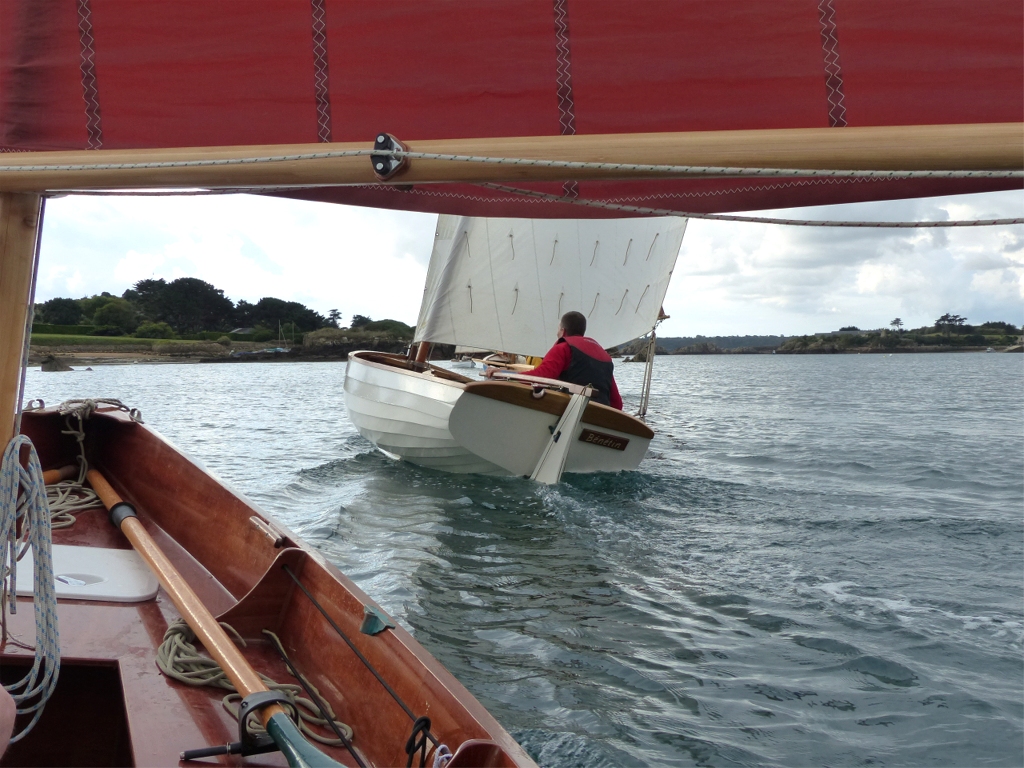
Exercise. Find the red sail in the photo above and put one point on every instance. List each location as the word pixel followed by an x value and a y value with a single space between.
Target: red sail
pixel 114 74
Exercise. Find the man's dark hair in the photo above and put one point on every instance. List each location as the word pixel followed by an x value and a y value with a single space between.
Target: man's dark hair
pixel 574 324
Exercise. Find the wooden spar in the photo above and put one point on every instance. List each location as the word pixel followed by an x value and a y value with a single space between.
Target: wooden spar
pixel 977 146
pixel 53 476
pixel 423 351
pixel 19 224
pixel 245 679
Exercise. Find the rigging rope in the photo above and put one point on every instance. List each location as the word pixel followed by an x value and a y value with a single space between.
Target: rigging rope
pixel 645 168
pixel 86 407
pixel 750 219
pixel 178 658
pixel 674 171
pixel 575 201
pixel 645 392
pixel 23 499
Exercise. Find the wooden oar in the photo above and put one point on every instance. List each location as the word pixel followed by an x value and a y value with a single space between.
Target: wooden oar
pixel 52 476
pixel 246 680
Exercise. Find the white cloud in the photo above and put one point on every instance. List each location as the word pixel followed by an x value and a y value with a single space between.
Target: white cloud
pixel 137 266
pixel 753 278
pixel 325 256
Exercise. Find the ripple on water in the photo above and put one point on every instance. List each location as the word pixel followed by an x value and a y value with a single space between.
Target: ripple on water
pixel 818 563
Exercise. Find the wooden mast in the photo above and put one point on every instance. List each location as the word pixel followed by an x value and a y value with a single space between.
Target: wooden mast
pixel 977 147
pixel 19 231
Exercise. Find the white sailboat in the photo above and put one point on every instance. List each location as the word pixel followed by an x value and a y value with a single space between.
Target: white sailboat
pixel 504 284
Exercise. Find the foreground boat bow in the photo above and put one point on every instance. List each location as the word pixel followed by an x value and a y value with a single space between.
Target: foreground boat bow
pixel 253 575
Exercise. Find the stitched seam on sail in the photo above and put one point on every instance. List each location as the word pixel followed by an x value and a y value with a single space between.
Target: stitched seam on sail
pixel 833 69
pixel 90 91
pixel 321 71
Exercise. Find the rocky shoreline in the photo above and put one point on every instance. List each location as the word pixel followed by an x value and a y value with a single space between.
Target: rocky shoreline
pixel 69 357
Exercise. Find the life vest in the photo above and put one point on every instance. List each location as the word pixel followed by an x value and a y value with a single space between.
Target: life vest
pixel 590 365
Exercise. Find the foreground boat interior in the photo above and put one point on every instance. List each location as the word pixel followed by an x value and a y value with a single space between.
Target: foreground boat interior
pixel 560 112
pixel 113 706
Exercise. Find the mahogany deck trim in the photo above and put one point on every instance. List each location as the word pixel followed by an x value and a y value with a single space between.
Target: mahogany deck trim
pixel 552 402
pixel 426 370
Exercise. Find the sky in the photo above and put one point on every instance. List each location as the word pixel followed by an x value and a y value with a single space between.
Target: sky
pixel 730 278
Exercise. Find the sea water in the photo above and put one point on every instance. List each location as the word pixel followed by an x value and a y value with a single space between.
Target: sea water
pixel 820 562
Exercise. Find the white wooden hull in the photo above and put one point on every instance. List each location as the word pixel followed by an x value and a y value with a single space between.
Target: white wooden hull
pixel 515 438
pixel 407 414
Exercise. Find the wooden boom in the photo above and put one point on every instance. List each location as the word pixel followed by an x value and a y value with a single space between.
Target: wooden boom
pixel 977 146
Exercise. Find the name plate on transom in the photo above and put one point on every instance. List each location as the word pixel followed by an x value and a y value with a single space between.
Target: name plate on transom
pixel 603 439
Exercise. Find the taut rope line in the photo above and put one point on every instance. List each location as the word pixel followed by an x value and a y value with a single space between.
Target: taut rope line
pixel 645 211
pixel 572 165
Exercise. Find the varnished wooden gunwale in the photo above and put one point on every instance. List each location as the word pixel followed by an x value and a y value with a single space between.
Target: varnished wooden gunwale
pixel 206 531
pixel 552 402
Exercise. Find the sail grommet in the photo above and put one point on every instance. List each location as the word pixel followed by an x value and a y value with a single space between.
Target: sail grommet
pixel 387 165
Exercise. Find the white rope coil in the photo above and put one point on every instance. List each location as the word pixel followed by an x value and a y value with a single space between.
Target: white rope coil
pixel 23 498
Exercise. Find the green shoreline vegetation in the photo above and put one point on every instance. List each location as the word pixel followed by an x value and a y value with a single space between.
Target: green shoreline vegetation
pixel 949 333
pixel 190 315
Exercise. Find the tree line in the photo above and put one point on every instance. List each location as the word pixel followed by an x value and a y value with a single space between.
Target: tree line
pixel 949 330
pixel 186 306
pixel 951 323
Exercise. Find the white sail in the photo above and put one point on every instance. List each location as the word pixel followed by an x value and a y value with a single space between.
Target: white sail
pixel 504 283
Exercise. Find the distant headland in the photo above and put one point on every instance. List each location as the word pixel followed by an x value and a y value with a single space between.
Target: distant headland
pixel 949 333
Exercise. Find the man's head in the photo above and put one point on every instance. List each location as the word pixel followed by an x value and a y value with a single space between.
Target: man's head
pixel 572 324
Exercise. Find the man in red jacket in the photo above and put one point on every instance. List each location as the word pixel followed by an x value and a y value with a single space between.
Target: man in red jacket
pixel 579 359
